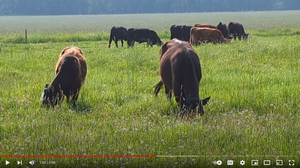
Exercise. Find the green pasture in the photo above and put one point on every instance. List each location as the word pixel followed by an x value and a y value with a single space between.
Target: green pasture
pixel 254 86
pixel 96 27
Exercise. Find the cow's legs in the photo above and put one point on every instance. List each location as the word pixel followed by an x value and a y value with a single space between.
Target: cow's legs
pixel 178 96
pixel 130 43
pixel 75 97
pixel 168 92
pixel 116 42
pixel 239 36
pixel 110 39
pixel 122 42
pixel 68 98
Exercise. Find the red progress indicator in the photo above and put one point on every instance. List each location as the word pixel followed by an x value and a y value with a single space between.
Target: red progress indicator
pixel 78 155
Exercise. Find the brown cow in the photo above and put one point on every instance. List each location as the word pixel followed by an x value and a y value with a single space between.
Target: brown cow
pixel 180 72
pixel 202 35
pixel 77 52
pixel 205 25
pixel 70 70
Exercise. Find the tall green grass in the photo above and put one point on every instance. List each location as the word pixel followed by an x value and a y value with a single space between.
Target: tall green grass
pixel 253 112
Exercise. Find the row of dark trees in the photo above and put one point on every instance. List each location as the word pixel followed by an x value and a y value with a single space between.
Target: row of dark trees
pixel 75 7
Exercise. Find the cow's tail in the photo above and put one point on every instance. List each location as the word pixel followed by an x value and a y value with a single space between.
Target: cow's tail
pixel 190 99
pixel 158 86
pixel 192 39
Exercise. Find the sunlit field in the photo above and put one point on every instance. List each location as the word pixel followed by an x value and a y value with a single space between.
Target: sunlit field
pixel 254 86
pixel 96 27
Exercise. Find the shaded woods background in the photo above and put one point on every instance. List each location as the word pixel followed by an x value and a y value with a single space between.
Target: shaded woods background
pixel 73 7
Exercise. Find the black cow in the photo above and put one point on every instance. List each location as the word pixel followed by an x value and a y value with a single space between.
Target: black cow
pixel 175 31
pixel 116 34
pixel 224 29
pixel 180 32
pixel 185 33
pixel 237 29
pixel 142 35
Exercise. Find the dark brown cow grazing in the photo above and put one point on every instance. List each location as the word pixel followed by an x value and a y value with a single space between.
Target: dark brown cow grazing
pixel 70 71
pixel 237 29
pixel 77 52
pixel 116 34
pixel 224 29
pixel 203 35
pixel 185 33
pixel 143 35
pixel 175 32
pixel 180 72
pixel 180 32
pixel 205 25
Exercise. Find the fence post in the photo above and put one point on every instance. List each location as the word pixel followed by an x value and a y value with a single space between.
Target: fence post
pixel 26 36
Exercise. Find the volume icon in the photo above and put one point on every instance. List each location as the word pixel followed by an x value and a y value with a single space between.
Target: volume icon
pixel 32 162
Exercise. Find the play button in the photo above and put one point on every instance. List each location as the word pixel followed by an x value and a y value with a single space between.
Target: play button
pixel 7 162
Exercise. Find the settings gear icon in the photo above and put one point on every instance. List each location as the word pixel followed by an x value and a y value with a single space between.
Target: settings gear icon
pixel 242 162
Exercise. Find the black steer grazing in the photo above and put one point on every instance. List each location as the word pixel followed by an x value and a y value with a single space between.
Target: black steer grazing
pixel 237 29
pixel 180 72
pixel 185 33
pixel 175 31
pixel 143 35
pixel 224 29
pixel 116 34
pixel 180 32
pixel 70 72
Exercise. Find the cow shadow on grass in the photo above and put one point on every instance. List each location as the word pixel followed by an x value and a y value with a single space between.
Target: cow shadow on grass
pixel 169 110
pixel 174 110
pixel 81 107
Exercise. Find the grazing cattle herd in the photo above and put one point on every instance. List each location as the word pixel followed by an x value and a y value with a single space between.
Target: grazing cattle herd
pixel 180 69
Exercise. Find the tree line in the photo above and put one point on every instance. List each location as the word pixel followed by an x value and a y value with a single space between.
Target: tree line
pixel 83 7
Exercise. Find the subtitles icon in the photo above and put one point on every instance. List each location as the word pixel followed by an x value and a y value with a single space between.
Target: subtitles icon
pixel 267 162
pixel 254 162
pixel 279 162
pixel 230 162
pixel 242 162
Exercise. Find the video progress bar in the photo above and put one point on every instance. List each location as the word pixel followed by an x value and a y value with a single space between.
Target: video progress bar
pixel 178 156
pixel 153 156
pixel 157 156
pixel 78 155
